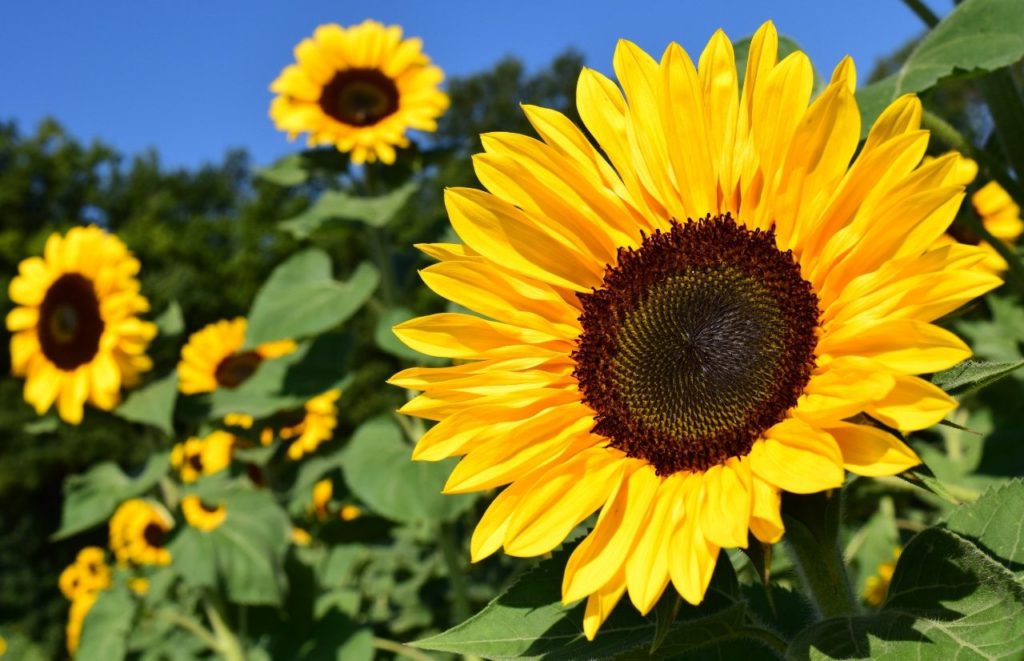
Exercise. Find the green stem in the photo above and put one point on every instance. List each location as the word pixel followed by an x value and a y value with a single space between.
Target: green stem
pixel 380 250
pixel 812 534
pixel 400 649
pixel 765 636
pixel 192 626
pixel 926 15
pixel 1007 108
pixel 230 646
pixel 456 573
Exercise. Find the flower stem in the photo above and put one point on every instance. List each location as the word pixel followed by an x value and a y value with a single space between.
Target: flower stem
pixel 812 535
pixel 190 625
pixel 922 11
pixel 456 573
pixel 229 644
pixel 767 637
pixel 400 650
pixel 1007 107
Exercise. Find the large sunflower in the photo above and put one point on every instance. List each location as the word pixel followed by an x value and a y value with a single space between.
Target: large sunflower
pixel 715 306
pixel 77 336
pixel 212 357
pixel 360 89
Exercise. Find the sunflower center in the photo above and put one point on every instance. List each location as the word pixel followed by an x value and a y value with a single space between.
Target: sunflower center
pixel 154 535
pixel 70 324
pixel 696 343
pixel 359 97
pixel 237 368
pixel 209 509
pixel 196 462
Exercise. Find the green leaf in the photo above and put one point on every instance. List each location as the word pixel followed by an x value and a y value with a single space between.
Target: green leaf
pixel 379 470
pixel 288 171
pixel 245 554
pixel 977 36
pixel 1000 338
pixel 286 383
pixel 171 322
pixel 153 404
pixel 301 298
pixel 530 622
pixel 47 424
pixel 106 627
pixel 995 523
pixel 923 477
pixel 972 375
pixel 90 498
pixel 947 600
pixel 339 205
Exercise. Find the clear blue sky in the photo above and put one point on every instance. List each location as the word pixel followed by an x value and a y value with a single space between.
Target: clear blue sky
pixel 190 77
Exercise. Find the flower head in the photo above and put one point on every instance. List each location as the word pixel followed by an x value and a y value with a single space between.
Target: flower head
pixel 722 300
pixel 197 457
pixel 76 336
pixel 202 516
pixel 89 573
pixel 360 89
pixel 212 358
pixel 138 533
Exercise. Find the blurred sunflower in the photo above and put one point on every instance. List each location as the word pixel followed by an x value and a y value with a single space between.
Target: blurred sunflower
pixel 350 512
pixel 304 430
pixel 197 457
pixel 876 588
pixel 212 357
pixel 138 533
pixel 301 537
pixel 80 607
pixel 76 333
pixel 707 310
pixel 323 491
pixel 360 89
pixel 88 573
pixel 998 213
pixel 201 516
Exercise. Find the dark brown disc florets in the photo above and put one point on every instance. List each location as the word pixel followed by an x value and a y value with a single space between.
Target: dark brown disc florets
pixel 359 97
pixel 70 322
pixel 696 343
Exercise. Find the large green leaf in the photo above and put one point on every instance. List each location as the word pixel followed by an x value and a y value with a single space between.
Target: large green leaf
pixel 153 404
pixel 379 471
pixel 530 622
pixel 91 498
pixel 106 627
pixel 171 321
pixel 245 554
pixel 977 36
pixel 339 205
pixel 947 600
pixel 972 375
pixel 287 382
pixel 995 522
pixel 301 298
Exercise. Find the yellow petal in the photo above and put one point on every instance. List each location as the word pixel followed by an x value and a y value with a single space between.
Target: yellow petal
pixel 456 335
pixel 872 451
pixel 725 506
pixel 600 604
pixel 912 404
pixel 797 458
pixel 647 566
pixel 766 513
pixel 902 345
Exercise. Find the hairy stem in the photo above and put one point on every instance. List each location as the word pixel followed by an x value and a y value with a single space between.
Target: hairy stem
pixel 812 534
pixel 400 649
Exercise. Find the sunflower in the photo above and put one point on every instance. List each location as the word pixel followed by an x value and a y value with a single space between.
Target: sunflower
pixel 202 456
pixel 212 357
pixel 138 533
pixel 710 307
pixel 301 537
pixel 350 512
pixel 998 213
pixel 304 430
pixel 80 607
pixel 360 89
pixel 323 491
pixel 88 573
pixel 201 516
pixel 76 333
pixel 877 586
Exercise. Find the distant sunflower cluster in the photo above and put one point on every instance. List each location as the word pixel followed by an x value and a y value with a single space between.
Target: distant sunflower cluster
pixel 80 582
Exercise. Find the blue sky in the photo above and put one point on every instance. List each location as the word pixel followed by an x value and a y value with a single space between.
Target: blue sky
pixel 190 77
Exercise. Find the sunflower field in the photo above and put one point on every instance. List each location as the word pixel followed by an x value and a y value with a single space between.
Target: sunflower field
pixel 717 356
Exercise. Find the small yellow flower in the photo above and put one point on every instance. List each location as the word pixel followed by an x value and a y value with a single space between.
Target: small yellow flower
pixel 360 89
pixel 88 573
pixel 76 334
pixel 139 585
pixel 138 533
pixel 305 430
pixel 200 515
pixel 212 357
pixel 877 587
pixel 300 537
pixel 350 513
pixel 80 607
pixel 202 456
pixel 998 212
pixel 322 492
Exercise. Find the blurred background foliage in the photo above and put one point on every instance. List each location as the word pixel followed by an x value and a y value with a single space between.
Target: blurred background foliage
pixel 207 240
